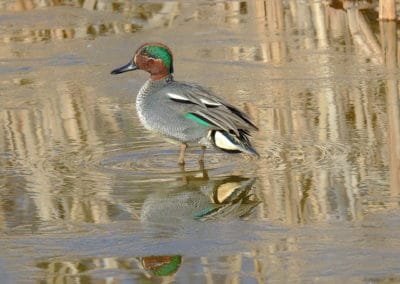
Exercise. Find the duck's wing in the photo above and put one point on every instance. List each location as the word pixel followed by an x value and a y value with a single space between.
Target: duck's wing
pixel 199 104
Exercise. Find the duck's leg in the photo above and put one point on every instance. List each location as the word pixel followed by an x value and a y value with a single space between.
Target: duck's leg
pixel 201 157
pixel 181 160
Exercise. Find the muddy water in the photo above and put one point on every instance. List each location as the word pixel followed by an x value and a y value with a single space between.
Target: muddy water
pixel 87 195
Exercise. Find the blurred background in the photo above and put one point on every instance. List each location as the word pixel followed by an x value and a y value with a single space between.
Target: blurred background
pixel 87 195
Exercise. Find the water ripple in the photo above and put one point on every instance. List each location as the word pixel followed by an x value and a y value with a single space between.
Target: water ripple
pixel 161 162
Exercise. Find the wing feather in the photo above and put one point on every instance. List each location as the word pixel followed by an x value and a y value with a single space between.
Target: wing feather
pixel 195 99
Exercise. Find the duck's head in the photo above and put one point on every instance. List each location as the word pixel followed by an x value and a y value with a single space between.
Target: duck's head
pixel 155 58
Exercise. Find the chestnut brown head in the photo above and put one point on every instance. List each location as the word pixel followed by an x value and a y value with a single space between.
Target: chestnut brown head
pixel 155 58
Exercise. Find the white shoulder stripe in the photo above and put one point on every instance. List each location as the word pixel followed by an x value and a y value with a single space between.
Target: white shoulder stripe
pixel 183 98
pixel 177 97
pixel 210 103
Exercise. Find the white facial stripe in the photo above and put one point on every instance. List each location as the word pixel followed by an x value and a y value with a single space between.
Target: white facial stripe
pixel 210 103
pixel 222 142
pixel 177 97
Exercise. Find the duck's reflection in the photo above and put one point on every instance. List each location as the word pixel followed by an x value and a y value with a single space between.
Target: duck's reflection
pixel 202 199
pixel 199 198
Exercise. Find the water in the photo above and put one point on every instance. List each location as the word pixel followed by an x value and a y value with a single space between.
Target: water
pixel 88 196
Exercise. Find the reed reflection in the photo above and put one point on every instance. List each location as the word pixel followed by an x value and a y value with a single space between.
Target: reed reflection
pixel 154 268
pixel 48 146
pixel 157 268
pixel 86 26
pixel 324 179
pixel 390 57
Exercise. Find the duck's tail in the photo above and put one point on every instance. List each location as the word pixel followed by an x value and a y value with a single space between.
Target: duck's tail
pixel 232 143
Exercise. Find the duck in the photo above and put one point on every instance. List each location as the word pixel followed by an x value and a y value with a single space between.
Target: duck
pixel 186 113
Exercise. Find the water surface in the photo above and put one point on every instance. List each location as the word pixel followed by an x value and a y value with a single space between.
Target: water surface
pixel 87 195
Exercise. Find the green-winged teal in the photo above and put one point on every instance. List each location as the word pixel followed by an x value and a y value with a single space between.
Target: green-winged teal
pixel 186 112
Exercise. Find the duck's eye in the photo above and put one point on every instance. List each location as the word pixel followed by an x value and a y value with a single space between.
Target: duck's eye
pixel 144 52
pixel 149 55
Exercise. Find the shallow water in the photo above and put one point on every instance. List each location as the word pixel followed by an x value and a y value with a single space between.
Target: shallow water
pixel 87 195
